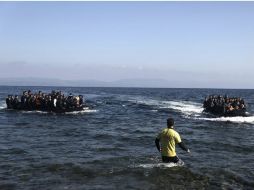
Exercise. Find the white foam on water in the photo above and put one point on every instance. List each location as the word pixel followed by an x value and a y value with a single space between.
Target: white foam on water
pixel 85 110
pixel 162 165
pixel 185 107
pixel 148 102
pixel 2 105
pixel 34 111
pixel 69 113
pixel 238 119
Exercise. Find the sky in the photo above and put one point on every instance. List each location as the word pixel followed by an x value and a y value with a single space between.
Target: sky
pixel 195 44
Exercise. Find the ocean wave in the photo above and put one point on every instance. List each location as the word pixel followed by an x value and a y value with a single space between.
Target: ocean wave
pixel 85 110
pixel 238 119
pixel 161 165
pixel 2 105
pixel 191 110
pixel 185 107
pixel 34 111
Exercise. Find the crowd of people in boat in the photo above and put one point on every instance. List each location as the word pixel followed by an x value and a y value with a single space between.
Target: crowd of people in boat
pixel 224 103
pixel 54 101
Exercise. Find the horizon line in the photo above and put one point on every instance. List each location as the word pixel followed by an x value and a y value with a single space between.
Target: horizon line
pixel 1 85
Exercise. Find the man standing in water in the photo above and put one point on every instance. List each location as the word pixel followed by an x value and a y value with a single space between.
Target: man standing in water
pixel 168 138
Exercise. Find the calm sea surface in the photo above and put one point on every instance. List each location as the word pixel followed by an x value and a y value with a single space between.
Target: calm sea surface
pixel 111 145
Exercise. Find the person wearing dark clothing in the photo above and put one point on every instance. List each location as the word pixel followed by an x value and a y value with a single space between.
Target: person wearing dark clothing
pixel 81 100
pixel 55 101
pixel 15 102
pixel 8 102
pixel 59 103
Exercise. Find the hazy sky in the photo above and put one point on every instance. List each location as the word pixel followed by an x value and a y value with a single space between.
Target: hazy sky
pixel 196 42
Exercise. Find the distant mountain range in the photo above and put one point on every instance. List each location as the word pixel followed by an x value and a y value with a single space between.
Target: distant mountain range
pixel 84 83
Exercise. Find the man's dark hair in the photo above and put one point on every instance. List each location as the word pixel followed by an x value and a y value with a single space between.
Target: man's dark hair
pixel 170 122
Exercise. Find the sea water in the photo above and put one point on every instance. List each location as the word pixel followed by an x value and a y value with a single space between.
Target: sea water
pixel 110 145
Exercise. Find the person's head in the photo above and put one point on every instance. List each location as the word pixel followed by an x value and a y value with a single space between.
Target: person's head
pixel 170 122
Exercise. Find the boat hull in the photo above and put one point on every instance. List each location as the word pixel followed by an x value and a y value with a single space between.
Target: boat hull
pixel 220 112
pixel 54 110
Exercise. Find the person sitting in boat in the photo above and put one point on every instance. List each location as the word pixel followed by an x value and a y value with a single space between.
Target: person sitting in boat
pixel 29 92
pixel 15 102
pixel 227 108
pixel 231 108
pixel 69 101
pixel 59 103
pixel 24 100
pixel 81 101
pixel 33 103
pixel 37 102
pixel 212 104
pixel 40 101
pixel 43 102
pixel 8 101
pixel 64 101
pixel 49 103
pixel 221 101
pixel 241 101
pixel 242 106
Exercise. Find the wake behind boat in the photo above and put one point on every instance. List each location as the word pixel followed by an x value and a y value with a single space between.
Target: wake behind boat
pixel 225 106
pixel 55 101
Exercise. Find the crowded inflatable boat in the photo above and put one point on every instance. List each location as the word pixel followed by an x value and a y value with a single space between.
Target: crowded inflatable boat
pixel 225 106
pixel 55 101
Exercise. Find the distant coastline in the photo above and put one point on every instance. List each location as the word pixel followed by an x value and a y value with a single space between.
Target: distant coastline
pixel 137 83
pixel 125 83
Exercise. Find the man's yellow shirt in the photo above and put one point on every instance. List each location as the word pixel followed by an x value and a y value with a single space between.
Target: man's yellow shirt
pixel 168 139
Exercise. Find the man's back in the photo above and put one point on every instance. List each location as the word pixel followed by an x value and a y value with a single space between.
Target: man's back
pixel 168 138
pixel 166 142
